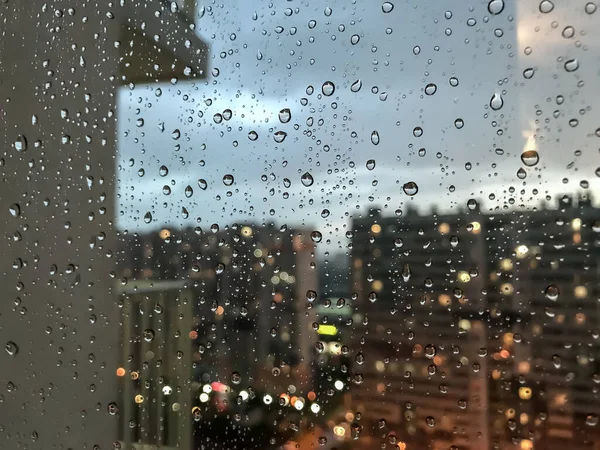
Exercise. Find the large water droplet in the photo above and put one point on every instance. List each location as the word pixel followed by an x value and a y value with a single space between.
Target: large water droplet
pixel 228 179
pixel 387 7
pixel 568 32
pixel 148 217
pixel 280 136
pixel 354 39
pixel 285 115
pixel 356 86
pixel 11 348
pixel 529 73
pixel 202 184
pixel 21 143
pixel 530 157
pixel 590 8
pixel 496 6
pixel 316 236
pixel 371 164
pixel 430 89
pixel 410 188
pixel 311 295
pixel 496 102
pixel 521 174
pixel 552 292
pixel 375 137
pixel 15 210
pixel 252 135
pixel 328 88
pixel 571 65
pixel 546 6
pixel 307 179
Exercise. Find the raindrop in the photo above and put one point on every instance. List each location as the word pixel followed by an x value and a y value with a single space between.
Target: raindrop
pixel 11 348
pixel 568 32
pixel 453 81
pixel 591 420
pixel 590 8
pixel 189 191
pixel 328 88
pixel 252 135
pixel 280 136
pixel 528 73
pixel 372 297
pixel 552 292
pixel 410 188
pixel 496 102
pixel 176 134
pixel 316 236
pixel 202 184
pixel 356 86
pixel 148 217
pixel 430 351
pixel 430 89
pixel 354 39
pixel 285 115
pixel 311 295
pixel 236 378
pixel 546 6
pixel 15 210
pixel 496 6
pixel 521 173
pixel 459 123
pixel 387 7
pixel 375 137
pixel 371 164
pixel 21 143
pixel 416 50
pixel 163 171
pixel 228 180
pixel 148 335
pixel 417 131
pixel 307 179
pixel 530 157
pixel 113 409
pixel 571 65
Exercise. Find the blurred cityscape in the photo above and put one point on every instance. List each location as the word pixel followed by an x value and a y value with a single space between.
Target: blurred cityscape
pixel 471 330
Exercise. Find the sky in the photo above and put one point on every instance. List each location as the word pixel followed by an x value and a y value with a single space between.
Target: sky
pixel 266 57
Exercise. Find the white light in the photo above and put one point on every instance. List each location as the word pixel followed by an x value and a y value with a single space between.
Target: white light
pixel 244 395
pixel 299 404
pixel 167 390
pixel 315 408
pixel 207 388
pixel 267 399
pixel 204 397
pixel 339 385
pixel 522 250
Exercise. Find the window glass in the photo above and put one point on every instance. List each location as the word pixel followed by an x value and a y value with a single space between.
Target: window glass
pixel 295 225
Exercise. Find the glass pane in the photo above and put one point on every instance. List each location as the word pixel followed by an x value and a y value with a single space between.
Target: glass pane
pixel 294 225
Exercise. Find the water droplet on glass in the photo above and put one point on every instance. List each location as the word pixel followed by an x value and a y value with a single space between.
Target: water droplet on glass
pixel 375 137
pixel 373 297
pixel 496 6
pixel 285 115
pixel 416 50
pixel 163 171
pixel 316 236
pixel 328 88
pixel 189 191
pixel 472 204
pixel 546 6
pixel 521 174
pixel 15 210
pixel 552 292
pixel 356 86
pixel 311 295
pixel 459 123
pixel 176 134
pixel 571 65
pixel 496 102
pixel 21 143
pixel 387 7
pixel 307 179
pixel 528 73
pixel 453 81
pixel 591 420
pixel 228 180
pixel 148 217
pixel 410 188
pixel 590 8
pixel 354 39
pixel 430 89
pixel 252 135
pixel 11 348
pixel 202 184
pixel 280 136
pixel 371 164
pixel 236 378
pixel 417 131
pixel 568 32
pixel 113 409
pixel 530 157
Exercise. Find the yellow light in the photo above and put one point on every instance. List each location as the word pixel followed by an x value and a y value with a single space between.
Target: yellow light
pixel 496 374
pixel 401 445
pixel 139 398
pixel 315 408
pixel 275 279
pixel 522 251
pixel 476 227
pixel 463 277
pixel 444 228
pixel 524 367
pixel 220 310
pixel 339 431
pixel 375 228
pixel 258 253
pixel 526 444
pixel 204 397
pixel 576 224
pixel 506 264
pixel 509 413
pixel 164 234
pixel 285 398
pixel 507 289
pixel 377 285
pixel 508 338
pixel 464 324
pixel 580 291
pixel 379 366
pixel 246 231
pixel 525 393
pixel 134 375
pixel 444 300
pixel 328 330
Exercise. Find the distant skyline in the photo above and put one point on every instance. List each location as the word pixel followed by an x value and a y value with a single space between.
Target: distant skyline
pixel 269 70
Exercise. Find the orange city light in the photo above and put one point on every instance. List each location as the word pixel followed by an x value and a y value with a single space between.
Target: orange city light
pixel 120 372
